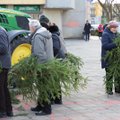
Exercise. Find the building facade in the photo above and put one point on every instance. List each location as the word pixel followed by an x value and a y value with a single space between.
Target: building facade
pixel 32 7
pixel 69 15
pixel 96 13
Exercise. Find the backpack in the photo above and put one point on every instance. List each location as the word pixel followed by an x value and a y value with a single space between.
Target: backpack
pixel 61 53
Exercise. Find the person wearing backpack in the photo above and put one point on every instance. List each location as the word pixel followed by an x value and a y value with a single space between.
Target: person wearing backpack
pixel 59 48
pixel 57 45
pixel 59 53
pixel 45 22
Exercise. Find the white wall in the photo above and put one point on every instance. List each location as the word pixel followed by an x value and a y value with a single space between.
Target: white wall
pixel 61 4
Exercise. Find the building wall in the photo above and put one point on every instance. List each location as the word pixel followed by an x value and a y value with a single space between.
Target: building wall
pixel 74 20
pixel 69 17
pixel 61 4
pixel 26 4
pixel 70 21
pixel 55 16
pixel 98 9
pixel 34 14
pixel 22 2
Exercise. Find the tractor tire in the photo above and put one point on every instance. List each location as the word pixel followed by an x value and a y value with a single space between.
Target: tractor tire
pixel 20 48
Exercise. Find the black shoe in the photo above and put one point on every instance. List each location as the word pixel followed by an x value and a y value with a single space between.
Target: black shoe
pixel 52 102
pixel 58 102
pixel 10 114
pixel 42 113
pixel 117 91
pixel 110 93
pixel 36 109
pixel 2 115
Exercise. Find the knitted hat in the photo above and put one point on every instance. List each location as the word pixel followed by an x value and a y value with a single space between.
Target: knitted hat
pixel 44 19
pixel 113 24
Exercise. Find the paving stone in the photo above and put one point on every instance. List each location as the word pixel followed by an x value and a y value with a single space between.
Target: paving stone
pixel 91 103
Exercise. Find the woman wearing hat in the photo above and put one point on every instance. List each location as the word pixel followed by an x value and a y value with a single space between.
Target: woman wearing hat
pixel 108 44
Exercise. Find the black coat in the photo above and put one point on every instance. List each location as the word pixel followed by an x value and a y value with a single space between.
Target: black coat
pixel 57 46
pixel 5 60
pixel 87 28
pixel 107 45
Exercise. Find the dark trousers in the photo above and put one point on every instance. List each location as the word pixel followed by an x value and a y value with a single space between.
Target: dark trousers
pixel 110 81
pixel 87 36
pixel 5 100
pixel 100 34
pixel 58 100
pixel 45 107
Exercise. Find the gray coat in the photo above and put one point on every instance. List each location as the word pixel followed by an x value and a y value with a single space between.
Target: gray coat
pixel 42 45
pixel 5 60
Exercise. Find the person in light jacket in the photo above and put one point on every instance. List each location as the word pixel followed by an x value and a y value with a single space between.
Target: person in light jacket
pixel 42 48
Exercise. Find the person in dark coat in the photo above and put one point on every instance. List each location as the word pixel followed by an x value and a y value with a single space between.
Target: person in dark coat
pixel 57 45
pixel 87 28
pixel 5 64
pixel 58 53
pixel 45 22
pixel 105 26
pixel 58 50
pixel 108 44
pixel 44 19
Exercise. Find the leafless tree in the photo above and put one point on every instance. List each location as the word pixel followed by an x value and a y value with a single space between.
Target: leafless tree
pixel 111 9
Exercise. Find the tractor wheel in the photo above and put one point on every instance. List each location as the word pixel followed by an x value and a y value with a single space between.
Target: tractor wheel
pixel 20 48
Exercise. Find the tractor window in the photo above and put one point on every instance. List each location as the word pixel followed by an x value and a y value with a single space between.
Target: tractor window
pixel 0 19
pixel 3 19
pixel 22 22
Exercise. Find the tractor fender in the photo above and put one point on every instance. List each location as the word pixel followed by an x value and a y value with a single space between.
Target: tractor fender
pixel 14 33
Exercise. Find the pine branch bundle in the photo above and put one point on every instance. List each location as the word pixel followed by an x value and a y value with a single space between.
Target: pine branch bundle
pixel 39 81
pixel 113 60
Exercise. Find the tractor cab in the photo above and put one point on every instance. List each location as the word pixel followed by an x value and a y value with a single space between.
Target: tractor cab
pixel 17 25
pixel 14 20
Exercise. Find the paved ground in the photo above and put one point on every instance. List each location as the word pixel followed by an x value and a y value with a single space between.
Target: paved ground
pixel 89 104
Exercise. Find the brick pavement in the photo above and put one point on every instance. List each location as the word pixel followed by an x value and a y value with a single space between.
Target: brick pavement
pixel 89 104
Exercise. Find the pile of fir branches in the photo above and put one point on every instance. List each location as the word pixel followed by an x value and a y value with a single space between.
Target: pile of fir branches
pixel 39 81
pixel 113 60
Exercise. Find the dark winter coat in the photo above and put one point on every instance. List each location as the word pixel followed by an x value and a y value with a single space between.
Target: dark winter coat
pixel 87 28
pixel 5 60
pixel 57 45
pixel 107 45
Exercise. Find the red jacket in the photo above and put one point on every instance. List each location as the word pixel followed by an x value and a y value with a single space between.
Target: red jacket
pixel 100 28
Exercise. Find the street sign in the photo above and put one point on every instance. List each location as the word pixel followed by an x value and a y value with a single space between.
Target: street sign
pixel 28 9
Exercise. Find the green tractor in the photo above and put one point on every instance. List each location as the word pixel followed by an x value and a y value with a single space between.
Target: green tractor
pixel 17 25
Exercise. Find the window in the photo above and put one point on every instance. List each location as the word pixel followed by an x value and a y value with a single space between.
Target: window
pixel 3 19
pixel 22 22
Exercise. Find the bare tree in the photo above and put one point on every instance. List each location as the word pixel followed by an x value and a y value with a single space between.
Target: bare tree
pixel 110 9
pixel 116 11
